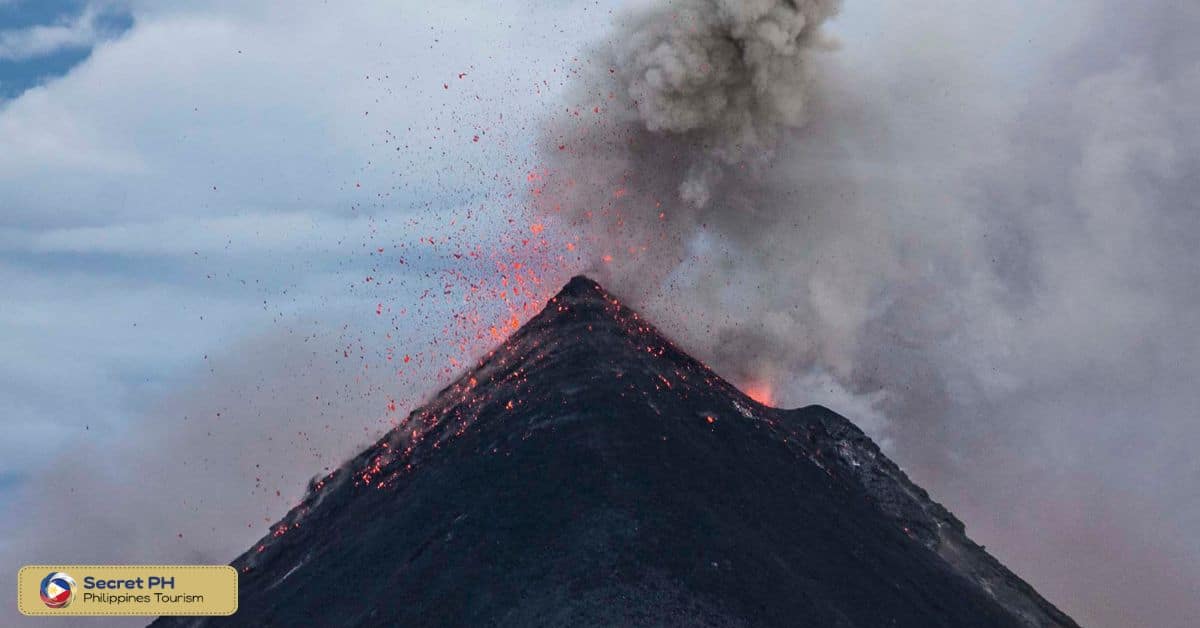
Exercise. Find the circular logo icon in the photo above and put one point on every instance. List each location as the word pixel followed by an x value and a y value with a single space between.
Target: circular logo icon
pixel 57 590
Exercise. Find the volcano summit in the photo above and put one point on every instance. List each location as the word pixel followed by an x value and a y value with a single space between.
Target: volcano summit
pixel 589 473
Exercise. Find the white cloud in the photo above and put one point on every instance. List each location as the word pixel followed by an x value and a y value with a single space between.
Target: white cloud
pixel 81 31
pixel 290 112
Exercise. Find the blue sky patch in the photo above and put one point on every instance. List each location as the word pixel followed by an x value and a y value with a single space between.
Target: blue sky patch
pixel 24 63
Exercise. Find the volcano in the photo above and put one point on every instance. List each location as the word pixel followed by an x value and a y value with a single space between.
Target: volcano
pixel 589 473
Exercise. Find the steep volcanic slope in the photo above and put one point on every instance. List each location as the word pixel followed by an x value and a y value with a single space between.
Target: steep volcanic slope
pixel 589 473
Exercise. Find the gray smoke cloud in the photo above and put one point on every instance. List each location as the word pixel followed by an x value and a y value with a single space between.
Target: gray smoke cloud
pixel 731 75
pixel 976 238
pixel 687 103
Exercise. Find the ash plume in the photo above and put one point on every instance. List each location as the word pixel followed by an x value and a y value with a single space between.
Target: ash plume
pixel 675 118
pixel 729 76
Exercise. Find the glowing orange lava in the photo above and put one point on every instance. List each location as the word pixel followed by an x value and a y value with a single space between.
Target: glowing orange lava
pixel 760 392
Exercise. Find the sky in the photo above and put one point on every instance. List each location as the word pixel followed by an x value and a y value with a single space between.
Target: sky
pixel 223 230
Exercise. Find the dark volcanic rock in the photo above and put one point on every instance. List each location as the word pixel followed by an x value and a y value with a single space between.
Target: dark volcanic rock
pixel 588 473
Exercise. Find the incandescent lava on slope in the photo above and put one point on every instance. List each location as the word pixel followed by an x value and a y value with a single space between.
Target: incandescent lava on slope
pixel 586 473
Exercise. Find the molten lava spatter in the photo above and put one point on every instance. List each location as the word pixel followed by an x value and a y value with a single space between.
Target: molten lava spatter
pixel 587 472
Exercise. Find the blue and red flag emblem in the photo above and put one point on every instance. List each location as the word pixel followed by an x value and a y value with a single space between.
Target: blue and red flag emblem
pixel 57 590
